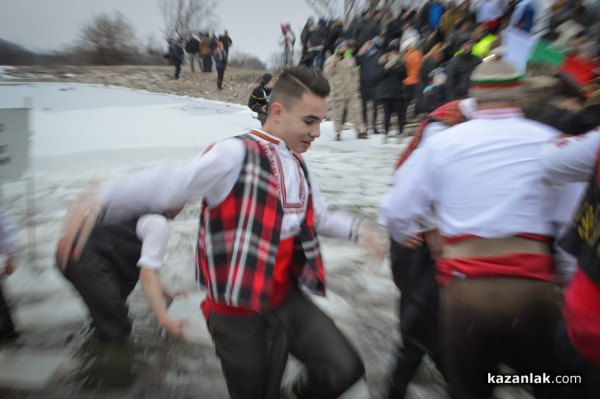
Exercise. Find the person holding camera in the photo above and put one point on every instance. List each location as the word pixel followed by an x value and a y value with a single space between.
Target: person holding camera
pixel 340 70
pixel 390 90
pixel 259 99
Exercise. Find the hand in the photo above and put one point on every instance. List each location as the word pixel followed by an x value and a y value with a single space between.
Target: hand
pixel 374 239
pixel 9 266
pixel 435 242
pixel 174 328
pixel 412 242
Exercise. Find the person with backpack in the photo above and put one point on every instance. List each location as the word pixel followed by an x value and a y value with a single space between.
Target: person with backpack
pixel 227 42
pixel 220 57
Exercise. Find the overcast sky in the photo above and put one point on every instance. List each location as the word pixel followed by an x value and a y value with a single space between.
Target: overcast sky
pixel 53 24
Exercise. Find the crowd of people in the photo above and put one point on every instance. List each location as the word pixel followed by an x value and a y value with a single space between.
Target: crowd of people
pixel 493 213
pixel 437 47
pixel 204 50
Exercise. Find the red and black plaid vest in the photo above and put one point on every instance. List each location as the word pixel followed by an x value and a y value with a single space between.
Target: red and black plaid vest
pixel 238 239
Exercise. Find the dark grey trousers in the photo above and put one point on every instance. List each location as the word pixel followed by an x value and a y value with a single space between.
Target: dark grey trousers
pixel 414 275
pixel 104 294
pixel 254 350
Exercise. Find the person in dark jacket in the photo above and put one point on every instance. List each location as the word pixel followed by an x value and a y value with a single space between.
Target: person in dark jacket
pixel 335 32
pixel 259 99
pixel 366 29
pixel 177 55
pixel 220 57
pixel 431 61
pixel 459 72
pixel 192 47
pixel 390 90
pixel 227 42
pixel 370 71
pixel 315 43
pixel 395 28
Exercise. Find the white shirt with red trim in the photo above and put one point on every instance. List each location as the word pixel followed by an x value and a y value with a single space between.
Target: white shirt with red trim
pixel 483 177
pixel 212 176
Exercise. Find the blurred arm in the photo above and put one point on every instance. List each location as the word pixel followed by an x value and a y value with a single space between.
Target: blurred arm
pixel 570 159
pixel 153 231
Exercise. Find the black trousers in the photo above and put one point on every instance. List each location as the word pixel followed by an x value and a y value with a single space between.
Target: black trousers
pixel 393 105
pixel 409 95
pixel 7 328
pixel 206 63
pixel 367 94
pixel 104 293
pixel 414 275
pixel 177 69
pixel 220 74
pixel 254 350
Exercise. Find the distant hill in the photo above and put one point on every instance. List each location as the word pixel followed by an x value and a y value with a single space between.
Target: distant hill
pixel 13 54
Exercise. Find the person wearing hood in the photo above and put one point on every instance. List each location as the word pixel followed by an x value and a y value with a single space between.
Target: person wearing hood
pixel 259 99
pixel 340 70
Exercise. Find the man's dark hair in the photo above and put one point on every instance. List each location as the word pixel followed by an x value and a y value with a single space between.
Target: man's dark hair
pixel 294 82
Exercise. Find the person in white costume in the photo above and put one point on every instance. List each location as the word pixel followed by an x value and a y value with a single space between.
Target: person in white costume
pixel 483 178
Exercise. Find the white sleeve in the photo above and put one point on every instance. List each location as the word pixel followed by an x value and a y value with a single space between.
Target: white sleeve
pixel 570 159
pixel 409 201
pixel 153 231
pixel 210 176
pixel 432 129
pixel 328 223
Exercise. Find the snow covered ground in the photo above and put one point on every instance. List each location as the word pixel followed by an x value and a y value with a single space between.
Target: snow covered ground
pixel 82 132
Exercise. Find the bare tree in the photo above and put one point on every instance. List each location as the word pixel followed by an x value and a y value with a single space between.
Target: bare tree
pixel 327 8
pixel 108 40
pixel 323 8
pixel 183 17
pixel 241 59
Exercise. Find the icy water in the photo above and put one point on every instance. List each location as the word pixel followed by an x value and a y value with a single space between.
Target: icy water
pixel 55 358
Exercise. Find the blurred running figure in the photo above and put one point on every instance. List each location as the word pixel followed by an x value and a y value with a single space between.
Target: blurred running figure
pixel 484 179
